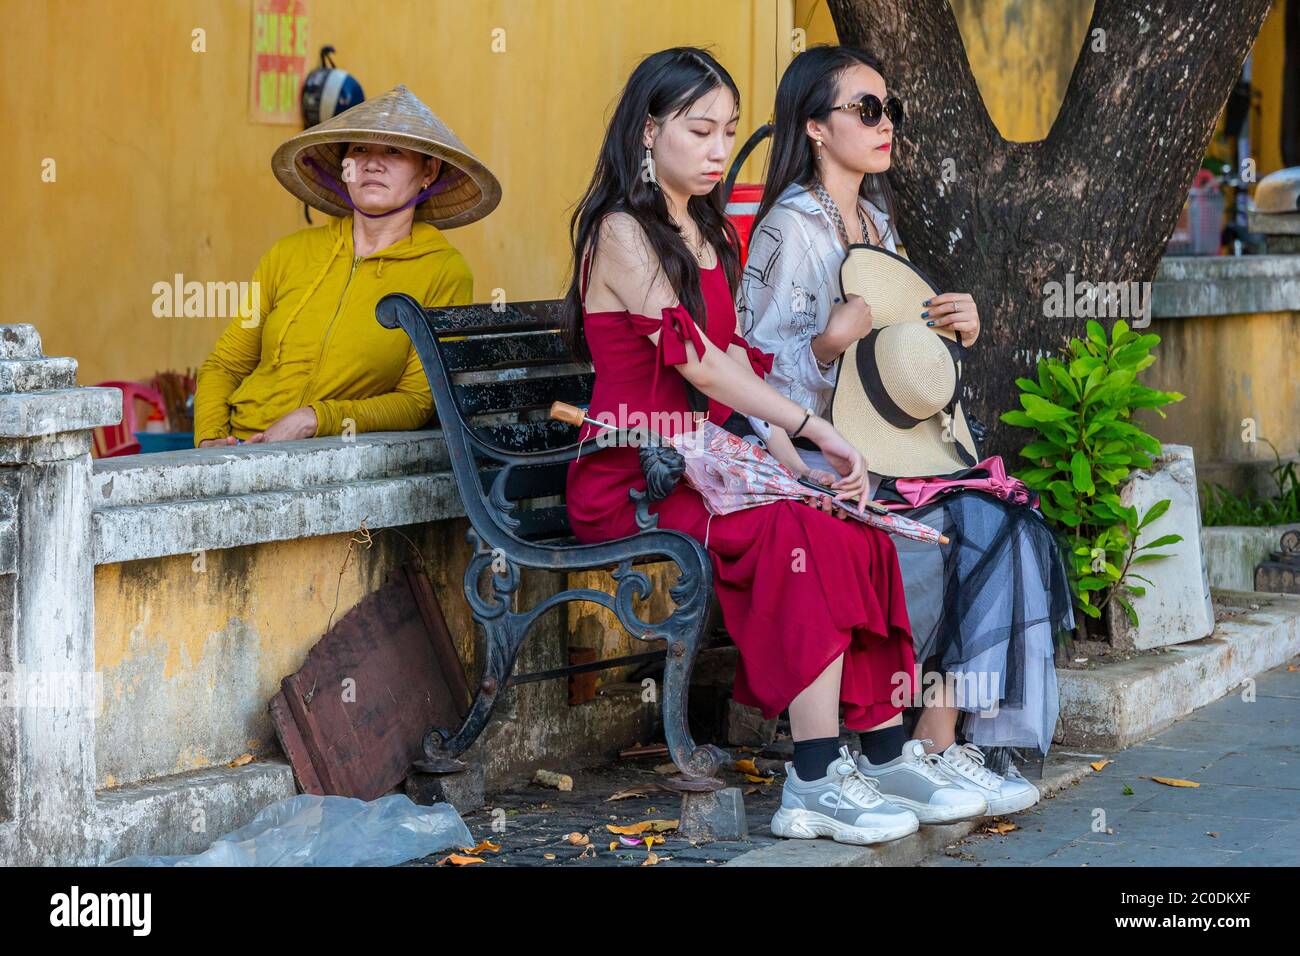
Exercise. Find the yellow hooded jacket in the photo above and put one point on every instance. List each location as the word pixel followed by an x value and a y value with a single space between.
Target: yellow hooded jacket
pixel 315 342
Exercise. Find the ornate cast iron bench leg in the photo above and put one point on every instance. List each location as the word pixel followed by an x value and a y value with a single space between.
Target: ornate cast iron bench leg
pixel 710 810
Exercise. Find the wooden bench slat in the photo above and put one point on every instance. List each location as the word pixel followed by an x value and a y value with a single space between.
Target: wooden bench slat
pixel 515 316
pixel 544 523
pixel 483 397
pixel 504 351
pixel 527 436
pixel 540 482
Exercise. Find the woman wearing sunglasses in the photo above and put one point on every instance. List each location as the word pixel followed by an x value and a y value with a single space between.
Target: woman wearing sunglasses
pixel 983 607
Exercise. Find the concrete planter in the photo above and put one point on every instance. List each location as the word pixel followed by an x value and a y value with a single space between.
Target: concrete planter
pixel 1176 607
pixel 1115 705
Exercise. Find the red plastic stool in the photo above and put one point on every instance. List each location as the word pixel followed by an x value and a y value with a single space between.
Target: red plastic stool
pixel 114 440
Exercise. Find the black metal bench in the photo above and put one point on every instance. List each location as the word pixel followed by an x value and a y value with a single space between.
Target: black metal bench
pixel 494 372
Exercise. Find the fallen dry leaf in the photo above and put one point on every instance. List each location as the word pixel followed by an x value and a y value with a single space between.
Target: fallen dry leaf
pixel 241 760
pixel 666 768
pixel 651 859
pixel 1098 764
pixel 613 845
pixel 548 856
pixel 458 859
pixel 578 839
pixel 484 847
pixel 635 829
pixel 626 795
pixel 746 765
pixel 1174 782
pixel 752 778
pixel 1002 826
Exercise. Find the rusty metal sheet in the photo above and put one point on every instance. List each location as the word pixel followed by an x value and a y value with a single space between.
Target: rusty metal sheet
pixel 352 719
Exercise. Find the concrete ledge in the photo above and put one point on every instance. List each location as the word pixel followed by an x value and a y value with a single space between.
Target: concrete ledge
pixel 19 341
pixel 133 532
pixel 249 469
pixel 182 813
pixel 1119 704
pixel 29 414
pixel 1232 552
pixel 1060 772
pixel 1187 286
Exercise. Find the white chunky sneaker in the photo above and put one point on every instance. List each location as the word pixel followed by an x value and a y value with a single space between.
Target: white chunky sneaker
pixel 964 765
pixel 1013 773
pixel 841 805
pixel 915 781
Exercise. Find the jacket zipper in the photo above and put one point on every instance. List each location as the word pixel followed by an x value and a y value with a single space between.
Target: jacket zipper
pixel 329 331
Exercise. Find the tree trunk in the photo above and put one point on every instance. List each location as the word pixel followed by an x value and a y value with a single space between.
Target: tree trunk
pixel 1097 199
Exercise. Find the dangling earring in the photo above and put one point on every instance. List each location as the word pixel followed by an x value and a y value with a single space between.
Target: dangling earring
pixel 648 169
pixel 819 151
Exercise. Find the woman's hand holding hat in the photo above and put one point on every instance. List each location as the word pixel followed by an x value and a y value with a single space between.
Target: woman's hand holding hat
pixel 956 311
pixel 849 321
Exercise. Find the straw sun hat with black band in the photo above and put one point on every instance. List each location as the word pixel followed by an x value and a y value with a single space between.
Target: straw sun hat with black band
pixel 310 164
pixel 898 390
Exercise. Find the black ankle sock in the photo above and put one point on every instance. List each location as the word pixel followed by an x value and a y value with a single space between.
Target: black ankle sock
pixel 884 745
pixel 811 757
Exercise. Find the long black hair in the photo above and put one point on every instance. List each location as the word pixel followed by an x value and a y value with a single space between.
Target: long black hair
pixel 663 84
pixel 807 91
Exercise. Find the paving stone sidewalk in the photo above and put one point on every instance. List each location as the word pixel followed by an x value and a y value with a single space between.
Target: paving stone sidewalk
pixel 532 824
pixel 1246 756
pixel 1246 811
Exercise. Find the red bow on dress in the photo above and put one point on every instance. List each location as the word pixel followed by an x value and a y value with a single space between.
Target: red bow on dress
pixel 675 327
pixel 759 360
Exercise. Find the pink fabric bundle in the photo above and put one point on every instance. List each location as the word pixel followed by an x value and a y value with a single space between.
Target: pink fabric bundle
pixel 994 481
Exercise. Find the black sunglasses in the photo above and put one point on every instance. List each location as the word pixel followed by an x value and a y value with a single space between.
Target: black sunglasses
pixel 871 109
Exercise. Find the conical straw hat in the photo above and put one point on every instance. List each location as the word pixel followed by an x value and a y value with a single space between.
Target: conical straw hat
pixel 465 189
pixel 893 386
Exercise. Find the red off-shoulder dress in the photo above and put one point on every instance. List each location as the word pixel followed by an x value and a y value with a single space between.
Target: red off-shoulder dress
pixel 797 587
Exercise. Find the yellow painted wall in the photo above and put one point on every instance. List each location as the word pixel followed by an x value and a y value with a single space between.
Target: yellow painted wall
pixel 1231 368
pixel 1267 59
pixel 190 654
pixel 159 170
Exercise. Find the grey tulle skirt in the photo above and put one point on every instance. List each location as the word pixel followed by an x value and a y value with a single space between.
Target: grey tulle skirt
pixel 985 611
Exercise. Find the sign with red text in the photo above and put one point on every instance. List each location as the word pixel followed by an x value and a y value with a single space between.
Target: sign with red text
pixel 279 61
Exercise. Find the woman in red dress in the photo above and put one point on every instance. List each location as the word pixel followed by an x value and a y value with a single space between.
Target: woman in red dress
pixel 814 603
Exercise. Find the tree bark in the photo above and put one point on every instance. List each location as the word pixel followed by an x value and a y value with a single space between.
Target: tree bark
pixel 1098 198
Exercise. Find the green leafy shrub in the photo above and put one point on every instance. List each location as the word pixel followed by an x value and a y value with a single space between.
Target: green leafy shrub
pixel 1223 507
pixel 1081 407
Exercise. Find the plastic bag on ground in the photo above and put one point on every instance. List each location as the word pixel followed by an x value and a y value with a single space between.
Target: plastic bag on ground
pixel 309 830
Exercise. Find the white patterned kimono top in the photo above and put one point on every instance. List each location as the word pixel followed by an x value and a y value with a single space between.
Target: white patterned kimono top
pixel 790 284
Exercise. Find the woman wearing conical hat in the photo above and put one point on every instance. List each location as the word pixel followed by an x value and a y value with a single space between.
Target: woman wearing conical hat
pixel 306 357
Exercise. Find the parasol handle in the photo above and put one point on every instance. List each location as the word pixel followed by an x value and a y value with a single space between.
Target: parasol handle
pixel 569 414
